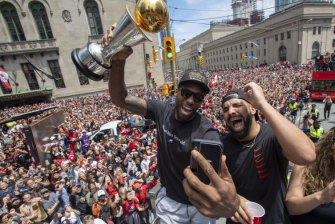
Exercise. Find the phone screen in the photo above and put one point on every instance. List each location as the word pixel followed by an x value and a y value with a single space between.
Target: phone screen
pixel 212 151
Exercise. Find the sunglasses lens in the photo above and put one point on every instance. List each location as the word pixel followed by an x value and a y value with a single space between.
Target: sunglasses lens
pixel 186 93
pixel 198 97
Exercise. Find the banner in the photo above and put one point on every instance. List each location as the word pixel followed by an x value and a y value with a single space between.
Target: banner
pixel 4 79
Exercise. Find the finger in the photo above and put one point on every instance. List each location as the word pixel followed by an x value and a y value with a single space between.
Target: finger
pixel 245 212
pixel 238 218
pixel 206 167
pixel 224 169
pixel 193 195
pixel 244 217
pixel 113 26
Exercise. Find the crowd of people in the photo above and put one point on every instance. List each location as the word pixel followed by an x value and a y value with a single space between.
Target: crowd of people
pixel 83 181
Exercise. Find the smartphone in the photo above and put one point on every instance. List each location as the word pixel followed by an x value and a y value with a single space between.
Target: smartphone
pixel 212 151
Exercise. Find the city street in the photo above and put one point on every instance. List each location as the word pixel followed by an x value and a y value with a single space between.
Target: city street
pixel 326 124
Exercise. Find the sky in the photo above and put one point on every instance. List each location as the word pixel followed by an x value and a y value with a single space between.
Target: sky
pixel 204 10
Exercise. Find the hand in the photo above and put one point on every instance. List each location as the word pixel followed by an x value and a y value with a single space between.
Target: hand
pixel 243 214
pixel 328 194
pixel 254 95
pixel 121 55
pixel 219 199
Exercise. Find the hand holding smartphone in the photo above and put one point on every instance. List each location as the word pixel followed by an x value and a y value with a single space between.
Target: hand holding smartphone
pixel 212 151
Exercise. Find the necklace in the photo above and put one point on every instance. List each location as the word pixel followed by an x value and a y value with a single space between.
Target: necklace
pixel 250 144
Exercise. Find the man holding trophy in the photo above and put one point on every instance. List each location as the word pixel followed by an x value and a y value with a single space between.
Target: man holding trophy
pixel 177 123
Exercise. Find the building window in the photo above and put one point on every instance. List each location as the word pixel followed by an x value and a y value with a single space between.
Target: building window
pixel 246 45
pixel 223 51
pixel 276 37
pixel 315 49
pixel 83 80
pixel 231 49
pixel 314 30
pixel 13 22
pixel 319 30
pixel 227 50
pixel 282 36
pixel 41 20
pixel 29 72
pixel 93 17
pixel 282 53
pixel 56 72
pixel 235 48
pixel 264 52
pixel 251 44
pixel 252 53
pixel 333 43
pixel 288 34
pixel 264 40
pixel 334 30
pixel 240 46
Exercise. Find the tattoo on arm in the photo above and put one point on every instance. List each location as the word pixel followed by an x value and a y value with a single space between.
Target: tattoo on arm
pixel 136 105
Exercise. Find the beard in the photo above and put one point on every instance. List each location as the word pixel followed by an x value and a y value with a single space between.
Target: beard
pixel 242 134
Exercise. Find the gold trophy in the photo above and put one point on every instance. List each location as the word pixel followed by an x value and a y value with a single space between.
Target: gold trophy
pixel 151 17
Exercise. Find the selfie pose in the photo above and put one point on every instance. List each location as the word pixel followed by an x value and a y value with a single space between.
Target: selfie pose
pixel 257 155
pixel 177 124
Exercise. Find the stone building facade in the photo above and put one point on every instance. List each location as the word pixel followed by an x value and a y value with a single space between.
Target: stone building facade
pixel 46 31
pixel 296 34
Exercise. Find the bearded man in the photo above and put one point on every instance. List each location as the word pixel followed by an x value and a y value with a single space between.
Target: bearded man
pixel 258 154
pixel 257 157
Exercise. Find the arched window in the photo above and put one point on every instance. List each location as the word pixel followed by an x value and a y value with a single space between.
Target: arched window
pixel 13 22
pixel 93 17
pixel 282 53
pixel 315 49
pixel 41 20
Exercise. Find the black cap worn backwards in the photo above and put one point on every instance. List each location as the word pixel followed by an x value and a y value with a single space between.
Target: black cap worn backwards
pixel 234 94
pixel 195 77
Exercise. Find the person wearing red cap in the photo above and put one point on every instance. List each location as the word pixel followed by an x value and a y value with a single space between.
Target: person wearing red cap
pixel 178 123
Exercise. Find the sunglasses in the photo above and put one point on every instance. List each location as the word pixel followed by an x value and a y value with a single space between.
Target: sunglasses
pixel 198 97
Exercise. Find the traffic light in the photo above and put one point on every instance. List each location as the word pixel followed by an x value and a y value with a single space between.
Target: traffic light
pixel 169 50
pixel 243 57
pixel 155 54
pixel 149 63
pixel 201 61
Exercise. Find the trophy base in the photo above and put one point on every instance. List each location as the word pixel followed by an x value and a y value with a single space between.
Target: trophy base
pixel 83 67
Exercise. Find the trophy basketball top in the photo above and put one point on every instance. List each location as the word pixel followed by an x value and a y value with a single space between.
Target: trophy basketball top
pixel 151 15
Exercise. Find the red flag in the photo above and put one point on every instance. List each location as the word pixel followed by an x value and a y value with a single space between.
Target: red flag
pixel 4 79
pixel 215 80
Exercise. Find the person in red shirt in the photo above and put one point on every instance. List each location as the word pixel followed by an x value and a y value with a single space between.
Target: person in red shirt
pixel 73 138
pixel 130 206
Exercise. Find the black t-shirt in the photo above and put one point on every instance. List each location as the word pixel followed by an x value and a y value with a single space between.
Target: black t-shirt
pixel 324 214
pixel 174 144
pixel 260 173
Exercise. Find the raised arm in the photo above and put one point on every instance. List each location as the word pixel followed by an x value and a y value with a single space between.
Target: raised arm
pixel 297 147
pixel 117 87
pixel 296 201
